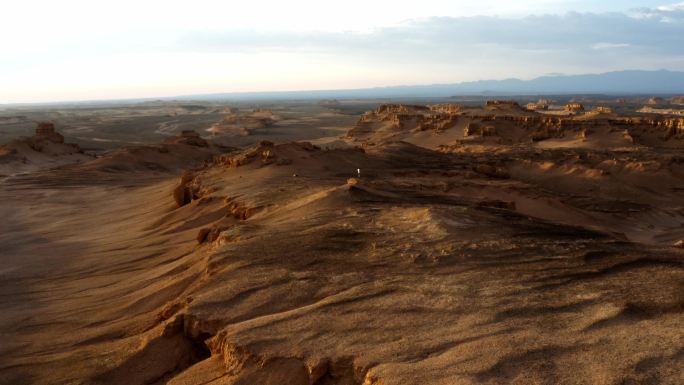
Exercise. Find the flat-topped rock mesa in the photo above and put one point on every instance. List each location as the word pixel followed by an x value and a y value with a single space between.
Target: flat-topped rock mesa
pixel 540 105
pixel 242 123
pixel 504 122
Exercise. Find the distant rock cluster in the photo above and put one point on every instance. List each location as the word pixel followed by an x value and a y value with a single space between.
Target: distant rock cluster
pixel 45 149
pixel 46 130
pixel 240 124
pixel 574 107
pixel 504 122
pixel 677 100
pixel 540 105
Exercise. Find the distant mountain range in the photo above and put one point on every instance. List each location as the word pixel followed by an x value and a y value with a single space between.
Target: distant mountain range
pixel 612 83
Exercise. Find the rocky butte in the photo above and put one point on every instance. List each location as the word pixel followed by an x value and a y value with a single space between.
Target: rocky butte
pixel 47 131
pixel 45 149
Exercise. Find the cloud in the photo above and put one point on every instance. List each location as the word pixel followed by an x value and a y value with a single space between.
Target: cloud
pixel 568 35
pixel 604 45
pixel 670 13
pixel 671 7
pixel 448 49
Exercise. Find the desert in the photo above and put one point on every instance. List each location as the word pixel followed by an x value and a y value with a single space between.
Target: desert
pixel 478 243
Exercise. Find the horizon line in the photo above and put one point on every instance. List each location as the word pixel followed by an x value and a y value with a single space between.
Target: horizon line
pixel 276 92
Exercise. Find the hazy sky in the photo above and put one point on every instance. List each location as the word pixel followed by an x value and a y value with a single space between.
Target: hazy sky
pixel 78 50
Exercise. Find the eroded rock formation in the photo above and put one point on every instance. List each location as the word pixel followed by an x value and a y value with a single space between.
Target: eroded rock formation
pixel 46 130
pixel 242 123
pixel 574 107
pixel 45 149
pixel 509 124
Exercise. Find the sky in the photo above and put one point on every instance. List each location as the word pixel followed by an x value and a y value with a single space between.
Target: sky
pixel 87 50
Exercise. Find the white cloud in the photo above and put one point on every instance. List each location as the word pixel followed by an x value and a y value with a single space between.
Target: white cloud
pixel 604 45
pixel 664 13
pixel 671 7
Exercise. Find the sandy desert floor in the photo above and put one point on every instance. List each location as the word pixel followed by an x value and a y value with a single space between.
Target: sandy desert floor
pixel 478 245
pixel 103 126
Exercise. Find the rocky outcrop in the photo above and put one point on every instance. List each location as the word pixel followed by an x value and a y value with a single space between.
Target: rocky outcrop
pixel 437 122
pixel 474 129
pixel 254 368
pixel 447 108
pixel 242 123
pixel 46 130
pixel 400 109
pixel 182 193
pixel 239 210
pixel 266 153
pixel 45 149
pixel 189 188
pixel 574 107
pixel 661 111
pixel 396 122
pixel 603 110
pixel 540 105
pixel 400 117
pixel 263 151
pixel 209 234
